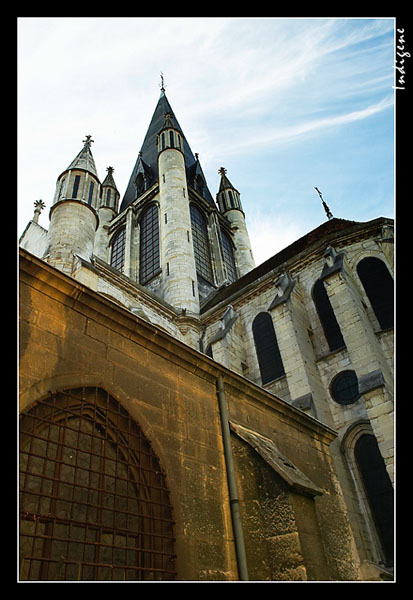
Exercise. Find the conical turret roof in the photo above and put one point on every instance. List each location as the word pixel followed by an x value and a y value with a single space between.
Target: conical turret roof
pixel 84 160
pixel 225 183
pixel 109 179
pixel 148 156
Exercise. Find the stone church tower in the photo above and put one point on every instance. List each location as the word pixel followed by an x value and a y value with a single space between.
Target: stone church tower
pixel 186 414
pixel 177 241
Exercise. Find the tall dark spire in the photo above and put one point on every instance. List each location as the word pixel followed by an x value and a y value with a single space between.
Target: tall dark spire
pixel 147 160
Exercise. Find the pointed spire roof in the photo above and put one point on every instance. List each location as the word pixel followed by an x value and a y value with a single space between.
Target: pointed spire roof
pixel 84 160
pixel 148 157
pixel 109 179
pixel 225 183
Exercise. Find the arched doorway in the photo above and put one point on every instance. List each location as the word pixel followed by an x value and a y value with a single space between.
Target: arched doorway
pixel 93 499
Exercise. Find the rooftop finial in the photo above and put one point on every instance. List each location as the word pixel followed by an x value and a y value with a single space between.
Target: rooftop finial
pixel 88 140
pixel 222 171
pixel 326 209
pixel 162 84
pixel 38 207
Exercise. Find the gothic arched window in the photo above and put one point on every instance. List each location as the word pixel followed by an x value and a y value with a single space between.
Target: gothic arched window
pixel 378 489
pixel 378 284
pixel 94 504
pixel 201 244
pixel 117 259
pixel 228 256
pixel 327 317
pixel 149 262
pixel 266 345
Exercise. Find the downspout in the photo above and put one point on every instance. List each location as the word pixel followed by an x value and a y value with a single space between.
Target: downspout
pixel 232 484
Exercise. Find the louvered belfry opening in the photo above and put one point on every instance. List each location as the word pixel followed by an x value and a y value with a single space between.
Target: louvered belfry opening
pixel 93 499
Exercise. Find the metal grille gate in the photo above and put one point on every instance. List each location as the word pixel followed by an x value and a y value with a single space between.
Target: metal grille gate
pixel 93 500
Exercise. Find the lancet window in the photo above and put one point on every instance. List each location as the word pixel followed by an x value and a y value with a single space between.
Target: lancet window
pixel 266 345
pixel 149 261
pixel 201 244
pixel 117 259
pixel 378 285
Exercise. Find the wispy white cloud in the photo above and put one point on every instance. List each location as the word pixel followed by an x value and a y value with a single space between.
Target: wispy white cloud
pixel 266 137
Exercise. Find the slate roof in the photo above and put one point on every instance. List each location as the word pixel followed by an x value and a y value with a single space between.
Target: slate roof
pixel 147 161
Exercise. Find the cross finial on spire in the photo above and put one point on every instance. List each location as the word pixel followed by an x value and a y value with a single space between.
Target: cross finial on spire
pixel 326 209
pixel 88 140
pixel 222 171
pixel 110 170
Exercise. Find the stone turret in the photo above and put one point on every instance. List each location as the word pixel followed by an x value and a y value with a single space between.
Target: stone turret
pixel 73 215
pixel 229 203
pixel 177 253
pixel 107 210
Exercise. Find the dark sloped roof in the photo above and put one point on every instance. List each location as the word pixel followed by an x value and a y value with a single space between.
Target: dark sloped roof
pixel 84 160
pixel 148 156
pixel 109 179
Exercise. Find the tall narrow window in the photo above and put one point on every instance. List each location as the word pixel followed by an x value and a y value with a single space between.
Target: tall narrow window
pixel 61 187
pixel 266 345
pixel 149 263
pixel 117 259
pixel 108 197
pixel 171 139
pixel 94 504
pixel 378 284
pixel 327 317
pixel 76 186
pixel 228 256
pixel 201 244
pixel 378 489
pixel 91 186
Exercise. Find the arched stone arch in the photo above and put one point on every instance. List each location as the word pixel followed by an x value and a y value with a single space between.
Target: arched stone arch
pixel 94 499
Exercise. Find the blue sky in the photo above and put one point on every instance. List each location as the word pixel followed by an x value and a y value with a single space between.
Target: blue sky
pixel 283 104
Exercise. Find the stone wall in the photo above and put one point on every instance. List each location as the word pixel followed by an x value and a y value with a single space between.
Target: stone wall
pixel 72 336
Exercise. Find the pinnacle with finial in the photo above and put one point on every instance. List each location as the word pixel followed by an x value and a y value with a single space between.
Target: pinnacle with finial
pixel 39 204
pixel 38 207
pixel 222 171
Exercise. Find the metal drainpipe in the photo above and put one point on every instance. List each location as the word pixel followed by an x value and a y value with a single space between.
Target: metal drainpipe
pixel 232 484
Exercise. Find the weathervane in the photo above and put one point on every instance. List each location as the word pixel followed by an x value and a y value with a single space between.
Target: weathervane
pixel 162 84
pixel 326 209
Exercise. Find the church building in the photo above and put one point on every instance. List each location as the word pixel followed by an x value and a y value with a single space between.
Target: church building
pixel 186 415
